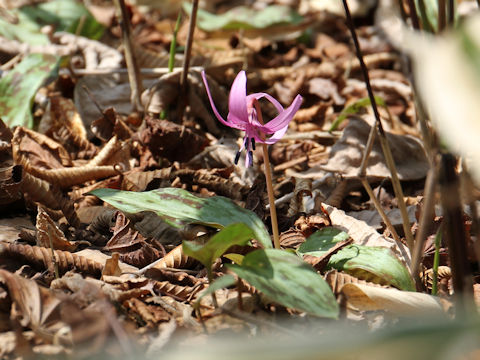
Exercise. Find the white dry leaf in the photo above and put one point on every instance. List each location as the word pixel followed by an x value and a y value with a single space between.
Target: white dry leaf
pixel 363 234
pixel 448 78
pixel 397 302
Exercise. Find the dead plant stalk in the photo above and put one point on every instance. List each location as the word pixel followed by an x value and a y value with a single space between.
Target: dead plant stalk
pixel 383 139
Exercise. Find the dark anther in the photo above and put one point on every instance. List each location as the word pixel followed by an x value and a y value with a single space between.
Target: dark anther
pixel 253 143
pixel 237 157
pixel 250 156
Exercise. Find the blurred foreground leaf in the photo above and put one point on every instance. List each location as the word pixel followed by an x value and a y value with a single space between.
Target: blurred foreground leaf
pixel 243 17
pixel 19 86
pixel 288 280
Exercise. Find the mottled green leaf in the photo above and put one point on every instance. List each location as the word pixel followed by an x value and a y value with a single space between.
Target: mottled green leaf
pixel 178 207
pixel 236 258
pixel 355 109
pixel 234 234
pixel 288 280
pixel 321 241
pixel 64 15
pixel 372 263
pixel 243 17
pixel 19 86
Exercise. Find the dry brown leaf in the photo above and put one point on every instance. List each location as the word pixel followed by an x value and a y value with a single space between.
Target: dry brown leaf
pixel 111 267
pixel 400 303
pixel 336 279
pixel 49 235
pixel 167 139
pixel 38 150
pixel 41 258
pixel 175 259
pixel 346 155
pixel 131 245
pixel 303 188
pixel 31 305
pixel 319 262
pixel 10 185
pixel 61 113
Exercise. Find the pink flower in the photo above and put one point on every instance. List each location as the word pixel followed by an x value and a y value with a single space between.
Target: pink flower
pixel 242 115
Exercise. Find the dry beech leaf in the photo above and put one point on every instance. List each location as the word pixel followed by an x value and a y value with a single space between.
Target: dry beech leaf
pixel 346 155
pixel 10 186
pixel 175 259
pixel 401 303
pixel 151 315
pixel 61 112
pixel 131 245
pixel 336 280
pixel 167 139
pixel 111 124
pixel 303 188
pixel 38 150
pixel 362 234
pixel 41 258
pixel 111 266
pixel 32 305
pixel 49 235
pixel 292 238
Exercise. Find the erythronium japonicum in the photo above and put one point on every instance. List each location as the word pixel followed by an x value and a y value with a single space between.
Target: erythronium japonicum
pixel 244 114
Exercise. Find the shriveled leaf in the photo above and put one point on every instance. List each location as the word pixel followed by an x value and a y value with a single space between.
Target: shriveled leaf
pixel 346 154
pixel 179 207
pixel 19 86
pixel 242 17
pixel 219 283
pixel 289 281
pixel 321 241
pixel 355 109
pixel 405 303
pixel 374 264
pixel 234 234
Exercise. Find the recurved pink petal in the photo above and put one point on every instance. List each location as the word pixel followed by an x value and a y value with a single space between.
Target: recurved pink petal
pixel 270 98
pixel 215 111
pixel 237 101
pixel 283 119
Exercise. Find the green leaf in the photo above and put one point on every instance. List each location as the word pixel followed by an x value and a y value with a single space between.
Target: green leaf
pixel 288 280
pixel 243 17
pixel 355 109
pixel 321 241
pixel 236 258
pixel 178 207
pixel 19 86
pixel 65 15
pixel 234 234
pixel 372 263
pixel 219 283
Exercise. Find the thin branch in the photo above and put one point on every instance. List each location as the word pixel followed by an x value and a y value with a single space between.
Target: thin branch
pixel 383 139
pixel 425 222
pixel 133 71
pixel 186 59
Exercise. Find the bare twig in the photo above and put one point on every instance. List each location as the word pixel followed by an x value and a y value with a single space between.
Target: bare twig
pixel 133 72
pixel 451 12
pixel 383 139
pixel 442 15
pixel 455 234
pixel 186 58
pixel 425 221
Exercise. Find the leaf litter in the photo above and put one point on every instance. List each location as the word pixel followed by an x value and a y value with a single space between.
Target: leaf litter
pixel 146 239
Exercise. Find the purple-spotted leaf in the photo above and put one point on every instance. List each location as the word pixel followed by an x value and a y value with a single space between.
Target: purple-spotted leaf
pixel 179 207
pixel 288 280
